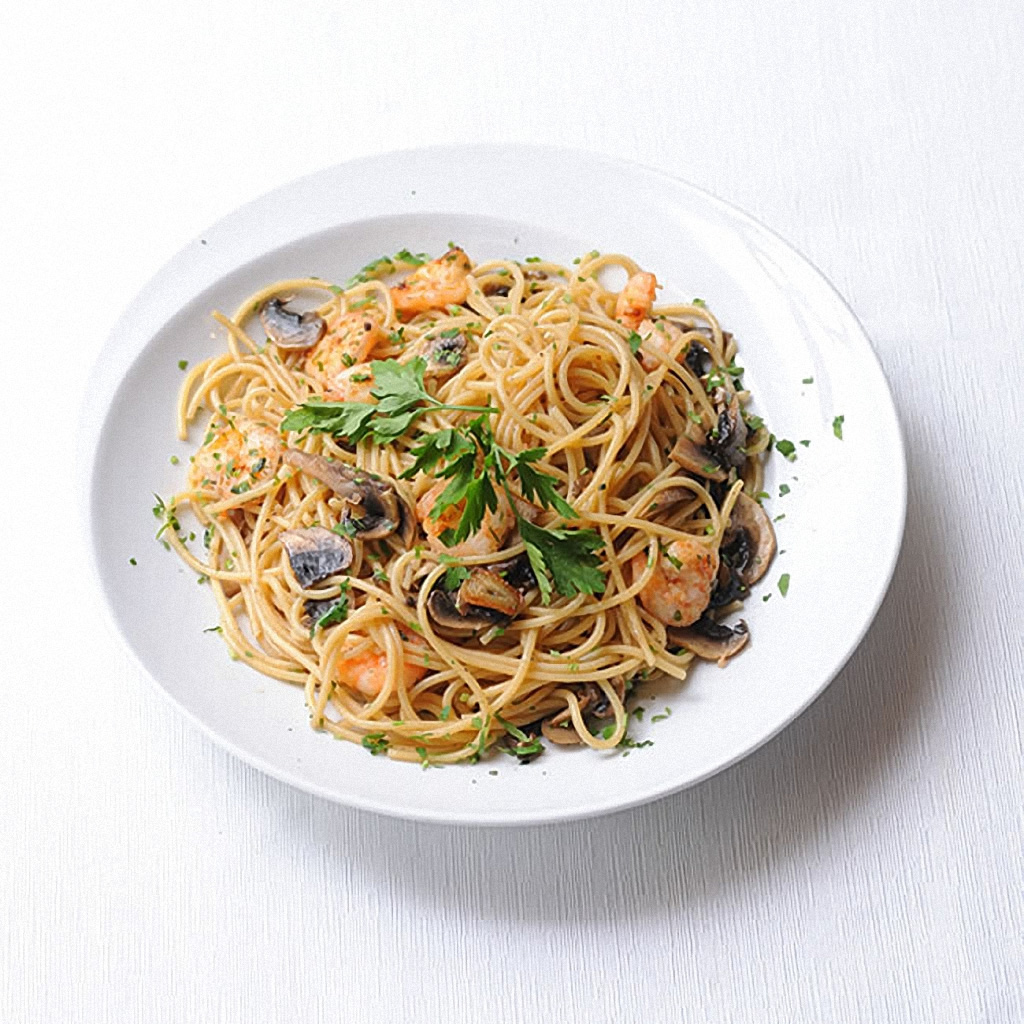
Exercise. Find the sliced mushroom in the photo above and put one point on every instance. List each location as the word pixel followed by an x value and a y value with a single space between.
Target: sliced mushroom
pixel 316 610
pixel 444 355
pixel 727 440
pixel 669 497
pixel 288 329
pixel 564 735
pixel 486 590
pixel 315 553
pixel 517 572
pixel 696 459
pixel 710 640
pixel 484 599
pixel 376 506
pixel 734 555
pixel 749 518
pixel 445 614
pixel 558 728
pixel 601 706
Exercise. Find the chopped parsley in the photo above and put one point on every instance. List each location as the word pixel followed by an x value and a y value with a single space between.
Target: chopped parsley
pixel 784 584
pixel 783 489
pixel 635 341
pixel 338 612
pixel 837 426
pixel 386 265
pixel 182 364
pixel 786 448
pixel 375 742
pixel 525 746
pixel 807 380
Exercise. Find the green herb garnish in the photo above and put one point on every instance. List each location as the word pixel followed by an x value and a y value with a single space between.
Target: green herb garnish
pixel 401 397
pixel 787 449
pixel 375 742
pixel 526 746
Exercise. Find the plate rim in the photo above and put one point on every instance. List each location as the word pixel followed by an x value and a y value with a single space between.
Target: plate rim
pixel 104 378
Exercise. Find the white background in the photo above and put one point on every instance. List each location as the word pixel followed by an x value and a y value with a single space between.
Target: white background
pixel 867 865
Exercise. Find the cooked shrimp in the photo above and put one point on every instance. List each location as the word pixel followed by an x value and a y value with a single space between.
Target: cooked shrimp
pixel 680 587
pixel 439 283
pixel 367 672
pixel 235 459
pixel 635 299
pixel 494 528
pixel 663 335
pixel 351 384
pixel 350 342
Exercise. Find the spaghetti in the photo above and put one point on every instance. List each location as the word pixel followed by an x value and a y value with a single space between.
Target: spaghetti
pixel 333 445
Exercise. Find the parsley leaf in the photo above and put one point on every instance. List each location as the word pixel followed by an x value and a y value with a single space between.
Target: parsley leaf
pixel 837 426
pixel 375 742
pixel 635 341
pixel 568 555
pixel 457 573
pixel 786 448
pixel 443 445
pixel 401 398
pixel 338 612
pixel 539 485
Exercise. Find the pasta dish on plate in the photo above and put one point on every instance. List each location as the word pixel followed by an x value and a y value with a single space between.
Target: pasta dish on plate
pixel 468 505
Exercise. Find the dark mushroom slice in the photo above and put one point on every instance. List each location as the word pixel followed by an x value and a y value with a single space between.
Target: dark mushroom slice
pixel 486 590
pixel 710 640
pixel 483 600
pixel 376 506
pixel 444 613
pixel 444 355
pixel 517 572
pixel 315 553
pixel 600 705
pixel 668 498
pixel 558 727
pixel 288 329
pixel 696 459
pixel 697 358
pixel 749 519
pixel 727 440
pixel 316 610
pixel 734 554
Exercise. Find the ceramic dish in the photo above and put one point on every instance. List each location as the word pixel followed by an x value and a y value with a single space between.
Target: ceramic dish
pixel 843 512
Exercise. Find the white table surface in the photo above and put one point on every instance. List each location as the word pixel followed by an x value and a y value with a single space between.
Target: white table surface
pixel 867 865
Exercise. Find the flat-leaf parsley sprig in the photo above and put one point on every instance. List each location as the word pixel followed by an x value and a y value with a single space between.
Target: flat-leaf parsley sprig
pixel 475 465
pixel 402 398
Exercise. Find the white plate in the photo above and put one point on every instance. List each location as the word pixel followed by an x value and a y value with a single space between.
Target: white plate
pixel 844 513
